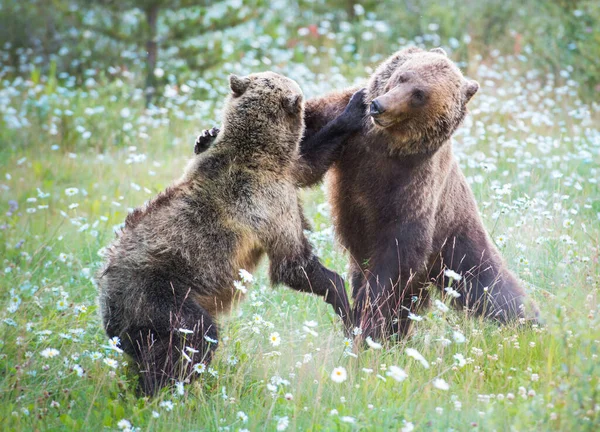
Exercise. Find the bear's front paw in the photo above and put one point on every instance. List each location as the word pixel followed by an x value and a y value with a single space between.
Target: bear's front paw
pixel 205 139
pixel 355 111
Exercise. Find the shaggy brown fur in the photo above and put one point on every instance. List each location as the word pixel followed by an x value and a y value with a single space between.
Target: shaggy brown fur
pixel 172 269
pixel 401 204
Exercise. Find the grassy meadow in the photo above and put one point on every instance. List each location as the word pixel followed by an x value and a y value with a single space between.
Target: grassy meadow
pixel 76 156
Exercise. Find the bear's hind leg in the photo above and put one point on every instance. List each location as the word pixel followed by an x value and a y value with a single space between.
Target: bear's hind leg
pixel 486 287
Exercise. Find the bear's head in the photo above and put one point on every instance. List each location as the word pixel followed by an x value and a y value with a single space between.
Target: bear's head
pixel 263 114
pixel 418 98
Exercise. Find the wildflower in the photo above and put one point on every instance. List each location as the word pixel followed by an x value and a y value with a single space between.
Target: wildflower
pixel 413 317
pixel 452 292
pixel 451 274
pixel 348 419
pixel 185 331
pixel 441 384
pixel 155 414
pixel 477 351
pixel 95 355
pixel 458 337
pixel 111 362
pixel 501 241
pixel 14 303
pixel 310 331
pixel 241 415
pixel 289 396
pixel 168 405
pixel 50 353
pixel 441 306
pixel 408 427
pixel 186 357
pixel 114 343
pixel 275 339
pixel 339 374
pixel 199 368
pixel 367 370
pixel 347 343
pixel 78 370
pixel 283 423
pixel 460 360
pixel 356 331
pixel 210 340
pixel 535 377
pixel 179 388
pixel 246 276
pixel 54 404
pixel 411 352
pixel 396 373
pixel 240 287
pixel 439 410
pixel 71 191
pixel 372 344
pixel 124 424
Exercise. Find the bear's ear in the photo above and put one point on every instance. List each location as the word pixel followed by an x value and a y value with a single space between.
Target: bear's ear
pixel 238 84
pixel 439 50
pixel 292 104
pixel 470 88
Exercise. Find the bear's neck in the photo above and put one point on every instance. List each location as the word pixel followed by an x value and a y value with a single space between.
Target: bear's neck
pixel 267 147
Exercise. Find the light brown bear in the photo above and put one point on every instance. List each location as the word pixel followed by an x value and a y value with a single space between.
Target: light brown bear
pixel 172 269
pixel 401 205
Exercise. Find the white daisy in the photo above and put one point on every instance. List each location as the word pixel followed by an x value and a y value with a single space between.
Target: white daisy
pixel 339 374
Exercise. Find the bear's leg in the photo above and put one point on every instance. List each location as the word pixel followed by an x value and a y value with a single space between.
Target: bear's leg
pixel 387 310
pixel 167 350
pixel 357 278
pixel 394 278
pixel 487 288
pixel 410 307
pixel 375 306
pixel 310 276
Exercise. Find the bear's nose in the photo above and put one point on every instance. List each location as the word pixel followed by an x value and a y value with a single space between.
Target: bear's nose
pixel 376 108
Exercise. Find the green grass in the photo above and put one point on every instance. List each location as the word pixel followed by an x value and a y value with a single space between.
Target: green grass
pixel 546 223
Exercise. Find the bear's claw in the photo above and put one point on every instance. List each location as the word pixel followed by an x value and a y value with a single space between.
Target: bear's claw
pixel 205 139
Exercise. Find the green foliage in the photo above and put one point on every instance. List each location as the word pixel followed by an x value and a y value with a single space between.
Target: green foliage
pixel 78 150
pixel 531 152
pixel 191 37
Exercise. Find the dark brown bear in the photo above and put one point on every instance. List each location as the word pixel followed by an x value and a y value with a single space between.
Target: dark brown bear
pixel 401 204
pixel 172 269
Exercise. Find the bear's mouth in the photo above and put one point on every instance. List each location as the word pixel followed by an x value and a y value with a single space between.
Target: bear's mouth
pixel 382 124
pixel 378 121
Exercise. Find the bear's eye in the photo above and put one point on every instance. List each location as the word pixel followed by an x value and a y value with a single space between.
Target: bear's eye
pixel 418 97
pixel 405 77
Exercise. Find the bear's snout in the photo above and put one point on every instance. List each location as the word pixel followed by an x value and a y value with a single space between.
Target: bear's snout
pixel 376 108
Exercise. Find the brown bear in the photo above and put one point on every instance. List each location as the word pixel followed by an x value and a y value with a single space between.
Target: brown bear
pixel 401 205
pixel 171 271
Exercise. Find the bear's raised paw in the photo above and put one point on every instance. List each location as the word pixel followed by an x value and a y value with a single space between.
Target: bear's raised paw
pixel 205 139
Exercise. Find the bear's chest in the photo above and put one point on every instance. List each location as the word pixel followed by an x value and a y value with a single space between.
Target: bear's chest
pixel 366 193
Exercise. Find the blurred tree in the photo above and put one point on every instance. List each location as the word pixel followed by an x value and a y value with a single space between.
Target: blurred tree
pixel 166 23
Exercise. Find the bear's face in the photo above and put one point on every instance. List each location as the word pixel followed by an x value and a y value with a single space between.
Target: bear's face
pixel 419 97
